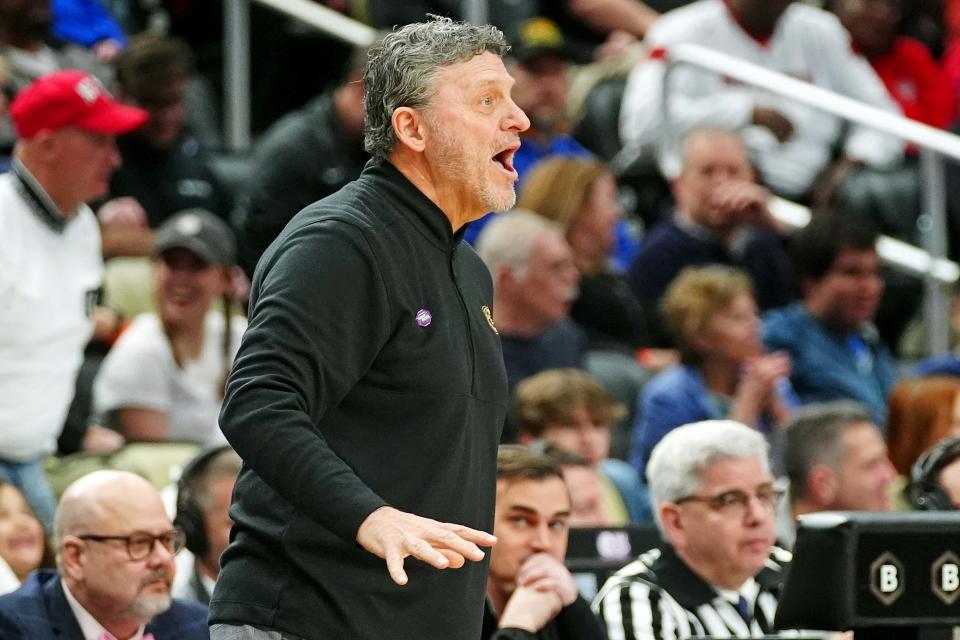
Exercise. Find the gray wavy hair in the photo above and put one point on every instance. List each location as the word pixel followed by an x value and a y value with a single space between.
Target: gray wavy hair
pixel 402 69
pixel 680 459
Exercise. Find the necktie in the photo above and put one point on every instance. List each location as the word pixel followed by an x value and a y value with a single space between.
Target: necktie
pixel 744 608
pixel 107 636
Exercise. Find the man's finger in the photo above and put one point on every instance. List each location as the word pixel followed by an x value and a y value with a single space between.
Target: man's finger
pixel 446 539
pixel 543 584
pixel 481 538
pixel 536 567
pixel 423 550
pixel 526 578
pixel 395 565
pixel 455 559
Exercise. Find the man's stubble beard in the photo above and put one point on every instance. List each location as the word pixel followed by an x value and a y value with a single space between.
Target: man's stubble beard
pixel 454 165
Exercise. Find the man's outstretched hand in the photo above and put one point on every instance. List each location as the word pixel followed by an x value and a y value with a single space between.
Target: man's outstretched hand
pixel 393 535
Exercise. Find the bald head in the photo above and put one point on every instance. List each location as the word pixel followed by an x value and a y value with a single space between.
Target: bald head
pixel 102 522
pixel 701 140
pixel 104 500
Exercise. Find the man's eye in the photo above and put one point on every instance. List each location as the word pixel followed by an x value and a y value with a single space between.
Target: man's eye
pixel 139 542
pixel 729 499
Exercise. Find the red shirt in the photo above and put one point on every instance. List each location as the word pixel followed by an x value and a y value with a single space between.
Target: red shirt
pixel 917 83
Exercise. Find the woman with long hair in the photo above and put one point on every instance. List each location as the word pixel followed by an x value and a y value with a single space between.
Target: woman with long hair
pixel 581 196
pixel 164 378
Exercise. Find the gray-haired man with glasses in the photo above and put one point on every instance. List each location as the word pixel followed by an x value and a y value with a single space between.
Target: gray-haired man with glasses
pixel 115 550
pixel 718 573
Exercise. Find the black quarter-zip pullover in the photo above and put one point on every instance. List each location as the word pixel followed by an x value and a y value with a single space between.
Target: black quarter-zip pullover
pixel 370 374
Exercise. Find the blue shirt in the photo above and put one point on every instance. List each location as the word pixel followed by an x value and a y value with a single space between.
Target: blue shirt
pixel 679 396
pixel 85 22
pixel 830 366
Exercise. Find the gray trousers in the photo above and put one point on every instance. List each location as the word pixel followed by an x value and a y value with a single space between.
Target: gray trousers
pixel 246 632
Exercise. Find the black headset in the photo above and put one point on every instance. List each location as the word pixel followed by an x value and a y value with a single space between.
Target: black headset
pixel 924 491
pixel 189 516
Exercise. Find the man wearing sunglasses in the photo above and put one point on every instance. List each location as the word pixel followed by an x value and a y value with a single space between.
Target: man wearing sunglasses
pixel 115 550
pixel 718 574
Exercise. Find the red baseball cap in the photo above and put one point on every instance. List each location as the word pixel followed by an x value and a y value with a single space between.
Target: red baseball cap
pixel 71 98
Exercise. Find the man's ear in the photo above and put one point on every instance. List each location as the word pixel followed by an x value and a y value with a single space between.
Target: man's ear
pixel 672 523
pixel 822 485
pixel 503 277
pixel 72 557
pixel 408 126
pixel 47 143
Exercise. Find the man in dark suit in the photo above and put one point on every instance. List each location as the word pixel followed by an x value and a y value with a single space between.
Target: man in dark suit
pixel 115 550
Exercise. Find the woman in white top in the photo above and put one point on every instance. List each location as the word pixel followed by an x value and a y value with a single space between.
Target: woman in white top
pixel 163 380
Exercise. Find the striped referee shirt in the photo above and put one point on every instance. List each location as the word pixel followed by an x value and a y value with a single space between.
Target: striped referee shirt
pixel 658 597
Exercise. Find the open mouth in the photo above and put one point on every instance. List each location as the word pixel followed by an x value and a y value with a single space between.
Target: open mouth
pixel 505 159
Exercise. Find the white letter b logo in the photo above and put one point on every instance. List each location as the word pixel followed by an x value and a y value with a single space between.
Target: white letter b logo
pixel 949 578
pixel 888 578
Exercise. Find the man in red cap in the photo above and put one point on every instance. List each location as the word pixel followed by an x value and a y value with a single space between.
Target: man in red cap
pixel 50 262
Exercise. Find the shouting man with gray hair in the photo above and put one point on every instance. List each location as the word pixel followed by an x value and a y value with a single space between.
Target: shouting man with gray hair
pixel 718 575
pixel 368 394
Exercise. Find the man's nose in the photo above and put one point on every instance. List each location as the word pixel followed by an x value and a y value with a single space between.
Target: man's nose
pixel 541 539
pixel 757 511
pixel 159 554
pixel 516 119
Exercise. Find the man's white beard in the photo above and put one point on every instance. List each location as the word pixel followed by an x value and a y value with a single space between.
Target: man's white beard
pixel 146 608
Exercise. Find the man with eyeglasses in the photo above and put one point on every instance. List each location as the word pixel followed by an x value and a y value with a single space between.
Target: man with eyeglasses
pixel 718 573
pixel 115 551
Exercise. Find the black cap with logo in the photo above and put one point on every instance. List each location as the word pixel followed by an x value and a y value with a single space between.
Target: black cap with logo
pixel 201 232
pixel 536 37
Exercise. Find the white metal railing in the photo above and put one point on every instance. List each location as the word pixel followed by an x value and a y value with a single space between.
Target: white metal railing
pixel 236 61
pixel 929 263
pixel 909 258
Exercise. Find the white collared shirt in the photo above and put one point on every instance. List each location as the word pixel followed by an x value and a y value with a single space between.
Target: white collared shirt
pixel 89 627
pixel 748 590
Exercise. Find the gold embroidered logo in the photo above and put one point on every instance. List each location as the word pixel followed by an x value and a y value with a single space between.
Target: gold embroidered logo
pixel 489 317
